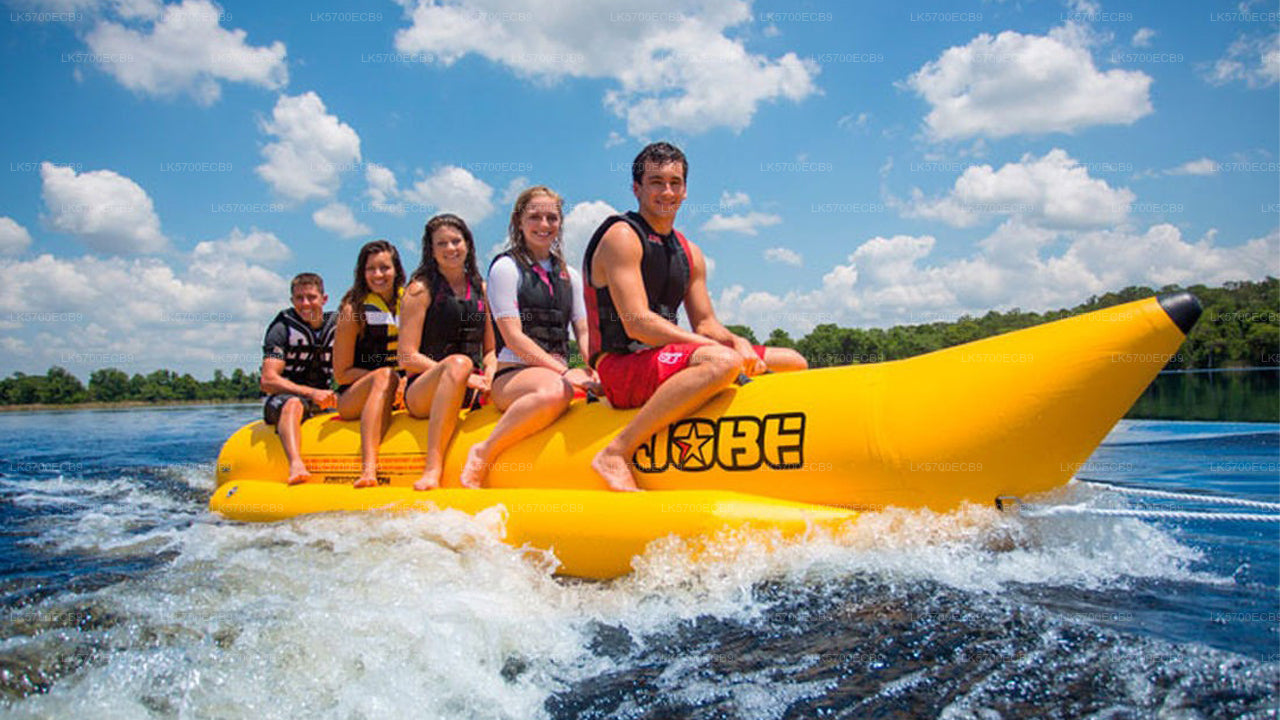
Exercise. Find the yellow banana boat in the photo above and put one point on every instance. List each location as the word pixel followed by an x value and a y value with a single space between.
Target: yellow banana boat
pixel 1014 414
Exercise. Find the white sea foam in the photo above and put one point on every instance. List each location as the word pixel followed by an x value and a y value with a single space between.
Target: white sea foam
pixel 974 548
pixel 197 476
pixel 110 516
pixel 765 694
pixel 430 615
pixel 352 615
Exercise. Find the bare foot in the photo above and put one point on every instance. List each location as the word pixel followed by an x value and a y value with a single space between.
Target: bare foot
pixel 473 470
pixel 366 481
pixel 430 480
pixel 298 474
pixel 613 468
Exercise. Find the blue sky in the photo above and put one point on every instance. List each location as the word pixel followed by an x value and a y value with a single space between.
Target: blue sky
pixel 171 165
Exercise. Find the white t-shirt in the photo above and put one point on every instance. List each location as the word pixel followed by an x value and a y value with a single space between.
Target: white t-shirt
pixel 504 287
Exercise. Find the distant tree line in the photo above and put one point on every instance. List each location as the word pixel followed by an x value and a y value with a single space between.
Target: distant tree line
pixel 60 387
pixel 1240 327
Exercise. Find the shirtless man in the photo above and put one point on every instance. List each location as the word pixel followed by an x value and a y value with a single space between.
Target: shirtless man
pixel 297 372
pixel 638 270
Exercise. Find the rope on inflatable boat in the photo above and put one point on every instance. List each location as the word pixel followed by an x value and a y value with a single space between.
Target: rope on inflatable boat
pixel 1191 497
pixel 1037 510
pixel 1030 510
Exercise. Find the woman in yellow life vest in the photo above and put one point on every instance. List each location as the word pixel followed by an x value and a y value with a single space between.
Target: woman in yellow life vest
pixel 364 350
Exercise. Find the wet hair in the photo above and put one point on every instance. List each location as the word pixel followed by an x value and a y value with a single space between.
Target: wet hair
pixel 306 278
pixel 428 273
pixel 516 243
pixel 353 301
pixel 655 155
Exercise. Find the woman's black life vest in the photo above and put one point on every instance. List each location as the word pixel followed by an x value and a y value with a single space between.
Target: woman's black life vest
pixel 665 269
pixel 544 310
pixel 454 325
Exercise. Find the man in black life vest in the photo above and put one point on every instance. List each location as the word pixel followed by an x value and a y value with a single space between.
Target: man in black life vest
pixel 637 271
pixel 297 367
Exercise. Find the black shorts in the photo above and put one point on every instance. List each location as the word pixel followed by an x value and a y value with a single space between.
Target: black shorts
pixel 470 398
pixel 274 404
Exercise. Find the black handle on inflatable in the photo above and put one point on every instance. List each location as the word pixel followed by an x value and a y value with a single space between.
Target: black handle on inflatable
pixel 742 379
pixel 1183 309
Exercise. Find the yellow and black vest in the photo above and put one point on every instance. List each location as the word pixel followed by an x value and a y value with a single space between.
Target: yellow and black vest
pixel 307 352
pixel 376 346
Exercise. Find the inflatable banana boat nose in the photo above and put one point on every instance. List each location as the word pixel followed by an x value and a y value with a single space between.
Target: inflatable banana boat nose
pixel 1014 414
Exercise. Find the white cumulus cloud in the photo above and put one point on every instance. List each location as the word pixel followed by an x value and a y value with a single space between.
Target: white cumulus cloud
pixel 1203 166
pixel 671 65
pixel 337 218
pixel 13 237
pixel 1026 84
pixel 449 189
pixel 139 9
pixel 1255 61
pixel 383 189
pixel 1051 191
pixel 311 150
pixel 783 255
pixel 108 212
pixel 747 223
pixel 734 199
pixel 514 188
pixel 256 246
pixel 580 224
pixel 185 51
pixel 209 314
pixel 853 122
pixel 453 189
pixel 894 280
pixel 1142 38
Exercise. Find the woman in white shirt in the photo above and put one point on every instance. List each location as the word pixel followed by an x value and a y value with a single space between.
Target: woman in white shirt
pixel 534 297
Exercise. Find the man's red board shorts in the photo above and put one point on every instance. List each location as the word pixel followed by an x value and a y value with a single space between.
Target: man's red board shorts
pixel 630 379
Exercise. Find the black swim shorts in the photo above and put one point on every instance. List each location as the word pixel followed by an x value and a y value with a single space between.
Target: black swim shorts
pixel 274 404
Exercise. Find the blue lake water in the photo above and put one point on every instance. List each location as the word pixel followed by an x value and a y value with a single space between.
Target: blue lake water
pixel 123 596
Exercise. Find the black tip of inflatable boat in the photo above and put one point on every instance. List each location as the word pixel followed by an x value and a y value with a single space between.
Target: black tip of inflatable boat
pixel 1184 309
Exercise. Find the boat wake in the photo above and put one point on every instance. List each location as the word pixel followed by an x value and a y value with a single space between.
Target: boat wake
pixel 1145 432
pixel 164 609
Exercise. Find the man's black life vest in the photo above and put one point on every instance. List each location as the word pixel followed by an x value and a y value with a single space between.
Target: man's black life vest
pixel 544 310
pixel 665 269
pixel 307 351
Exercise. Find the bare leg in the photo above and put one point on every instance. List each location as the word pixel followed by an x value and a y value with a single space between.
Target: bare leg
pixel 530 399
pixel 780 359
pixel 439 391
pixel 711 369
pixel 288 428
pixel 370 399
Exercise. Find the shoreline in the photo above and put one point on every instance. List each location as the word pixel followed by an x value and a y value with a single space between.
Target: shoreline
pixel 120 405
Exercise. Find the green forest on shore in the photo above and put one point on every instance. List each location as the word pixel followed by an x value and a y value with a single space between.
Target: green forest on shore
pixel 1240 327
